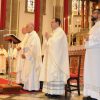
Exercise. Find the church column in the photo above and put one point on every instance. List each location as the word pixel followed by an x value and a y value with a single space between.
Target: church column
pixel 87 14
pixel 66 16
pixel 2 13
pixel 12 18
pixel 3 4
pixel 42 12
pixel 57 9
pixel 82 12
pixel 37 15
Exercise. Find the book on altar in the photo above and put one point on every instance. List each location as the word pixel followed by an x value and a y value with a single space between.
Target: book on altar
pixel 11 38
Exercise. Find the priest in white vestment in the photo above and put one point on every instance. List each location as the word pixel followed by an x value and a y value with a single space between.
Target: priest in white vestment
pixel 92 62
pixel 20 61
pixel 3 57
pixel 55 69
pixel 32 57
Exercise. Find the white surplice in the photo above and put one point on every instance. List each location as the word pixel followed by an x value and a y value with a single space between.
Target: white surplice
pixel 3 56
pixel 55 69
pixel 12 53
pixel 19 60
pixel 92 63
pixel 32 64
pixel 14 60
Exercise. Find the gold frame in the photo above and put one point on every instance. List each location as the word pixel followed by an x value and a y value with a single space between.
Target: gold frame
pixel 26 4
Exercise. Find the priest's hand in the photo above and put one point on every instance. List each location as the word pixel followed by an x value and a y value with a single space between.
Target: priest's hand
pixel 47 35
pixel 23 56
pixel 19 48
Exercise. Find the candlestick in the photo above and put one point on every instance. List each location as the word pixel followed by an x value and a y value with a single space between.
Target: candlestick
pixel 64 23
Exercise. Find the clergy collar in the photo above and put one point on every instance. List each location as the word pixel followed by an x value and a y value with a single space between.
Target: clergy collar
pixel 56 29
pixel 31 32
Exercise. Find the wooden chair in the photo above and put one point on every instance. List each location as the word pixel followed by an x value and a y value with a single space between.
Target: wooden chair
pixel 75 63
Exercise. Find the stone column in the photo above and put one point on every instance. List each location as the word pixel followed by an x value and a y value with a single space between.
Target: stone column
pixel 66 16
pixel 57 9
pixel 42 11
pixel 12 16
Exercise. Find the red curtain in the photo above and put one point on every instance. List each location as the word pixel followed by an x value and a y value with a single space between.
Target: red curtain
pixel 37 15
pixel 2 13
pixel 66 16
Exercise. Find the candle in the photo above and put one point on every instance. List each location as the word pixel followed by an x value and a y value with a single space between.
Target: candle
pixel 64 23
pixel 68 24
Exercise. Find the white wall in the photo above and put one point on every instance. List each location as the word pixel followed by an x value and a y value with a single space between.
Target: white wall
pixel 24 17
pixel 49 14
pixel 47 18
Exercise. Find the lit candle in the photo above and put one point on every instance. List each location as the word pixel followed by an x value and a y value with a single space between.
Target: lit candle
pixel 68 24
pixel 64 23
pixel 68 19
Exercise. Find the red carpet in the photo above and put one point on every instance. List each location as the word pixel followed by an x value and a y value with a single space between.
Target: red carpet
pixel 5 81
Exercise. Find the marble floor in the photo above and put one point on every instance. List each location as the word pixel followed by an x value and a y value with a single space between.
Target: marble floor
pixel 37 95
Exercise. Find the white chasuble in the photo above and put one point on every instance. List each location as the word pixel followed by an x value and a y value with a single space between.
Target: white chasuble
pixel 19 60
pixel 55 69
pixel 32 63
pixel 3 56
pixel 92 64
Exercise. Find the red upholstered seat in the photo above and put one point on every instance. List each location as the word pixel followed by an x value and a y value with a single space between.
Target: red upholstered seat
pixel 73 75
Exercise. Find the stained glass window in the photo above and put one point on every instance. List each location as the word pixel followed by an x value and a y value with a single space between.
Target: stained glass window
pixel 30 5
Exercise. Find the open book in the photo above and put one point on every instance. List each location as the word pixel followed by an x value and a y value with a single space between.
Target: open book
pixel 11 38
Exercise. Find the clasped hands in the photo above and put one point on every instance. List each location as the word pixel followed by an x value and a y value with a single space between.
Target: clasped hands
pixel 47 35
